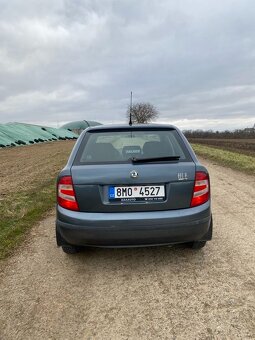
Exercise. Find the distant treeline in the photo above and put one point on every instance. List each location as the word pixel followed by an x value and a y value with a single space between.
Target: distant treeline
pixel 240 133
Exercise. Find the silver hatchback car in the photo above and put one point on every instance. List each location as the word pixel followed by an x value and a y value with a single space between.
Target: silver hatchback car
pixel 128 186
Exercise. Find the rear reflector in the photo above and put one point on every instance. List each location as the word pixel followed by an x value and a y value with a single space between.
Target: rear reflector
pixel 201 190
pixel 66 194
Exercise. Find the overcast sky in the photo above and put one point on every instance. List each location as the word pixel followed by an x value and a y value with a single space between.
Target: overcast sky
pixel 67 60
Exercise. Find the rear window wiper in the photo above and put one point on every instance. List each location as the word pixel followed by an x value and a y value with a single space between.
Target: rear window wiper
pixel 155 159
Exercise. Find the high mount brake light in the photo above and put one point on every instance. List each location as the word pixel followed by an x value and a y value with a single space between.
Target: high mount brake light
pixel 66 194
pixel 201 190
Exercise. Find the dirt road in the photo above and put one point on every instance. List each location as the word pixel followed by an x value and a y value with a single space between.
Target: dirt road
pixel 148 293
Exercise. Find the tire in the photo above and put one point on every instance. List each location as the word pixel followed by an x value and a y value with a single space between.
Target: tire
pixel 201 243
pixel 197 244
pixel 68 249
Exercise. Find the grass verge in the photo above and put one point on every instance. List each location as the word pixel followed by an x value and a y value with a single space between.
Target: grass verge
pixel 234 160
pixel 20 211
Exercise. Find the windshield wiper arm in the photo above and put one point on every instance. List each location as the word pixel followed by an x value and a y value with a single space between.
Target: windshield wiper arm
pixel 155 159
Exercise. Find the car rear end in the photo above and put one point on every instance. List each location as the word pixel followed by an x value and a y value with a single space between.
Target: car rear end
pixel 133 186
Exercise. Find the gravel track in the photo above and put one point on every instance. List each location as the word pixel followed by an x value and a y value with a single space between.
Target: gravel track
pixel 146 293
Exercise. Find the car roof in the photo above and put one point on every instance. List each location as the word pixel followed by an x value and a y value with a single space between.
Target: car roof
pixel 132 127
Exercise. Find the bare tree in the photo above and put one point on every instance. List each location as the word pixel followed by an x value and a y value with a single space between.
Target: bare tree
pixel 142 113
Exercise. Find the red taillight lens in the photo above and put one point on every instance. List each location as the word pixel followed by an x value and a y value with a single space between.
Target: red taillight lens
pixel 201 190
pixel 66 194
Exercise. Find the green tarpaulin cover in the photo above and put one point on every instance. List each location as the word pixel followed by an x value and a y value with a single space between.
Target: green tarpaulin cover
pixel 13 134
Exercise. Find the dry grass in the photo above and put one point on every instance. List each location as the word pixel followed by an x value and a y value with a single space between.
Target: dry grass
pixel 234 160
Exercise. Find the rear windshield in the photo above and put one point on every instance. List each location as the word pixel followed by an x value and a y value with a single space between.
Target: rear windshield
pixel 122 146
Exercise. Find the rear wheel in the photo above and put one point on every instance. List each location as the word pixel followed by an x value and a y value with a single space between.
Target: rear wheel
pixel 197 244
pixel 66 247
pixel 69 249
pixel 201 243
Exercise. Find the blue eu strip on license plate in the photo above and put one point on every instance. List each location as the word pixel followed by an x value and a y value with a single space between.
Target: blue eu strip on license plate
pixel 111 192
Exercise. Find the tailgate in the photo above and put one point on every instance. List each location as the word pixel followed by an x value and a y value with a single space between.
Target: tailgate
pixel 92 184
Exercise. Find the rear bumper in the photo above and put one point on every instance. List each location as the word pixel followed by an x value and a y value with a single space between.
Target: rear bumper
pixel 134 228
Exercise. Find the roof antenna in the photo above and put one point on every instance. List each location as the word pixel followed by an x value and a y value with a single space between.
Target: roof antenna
pixel 130 109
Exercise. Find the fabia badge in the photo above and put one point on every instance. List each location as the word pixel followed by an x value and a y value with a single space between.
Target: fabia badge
pixel 133 174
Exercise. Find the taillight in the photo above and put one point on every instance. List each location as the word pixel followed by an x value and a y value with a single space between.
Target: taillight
pixel 201 190
pixel 66 194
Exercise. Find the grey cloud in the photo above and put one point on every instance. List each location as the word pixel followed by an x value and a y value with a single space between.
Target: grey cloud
pixel 67 60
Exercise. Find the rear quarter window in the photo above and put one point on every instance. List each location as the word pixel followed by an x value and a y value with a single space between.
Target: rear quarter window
pixel 112 146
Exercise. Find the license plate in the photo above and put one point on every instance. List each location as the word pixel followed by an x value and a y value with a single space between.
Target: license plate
pixel 137 193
